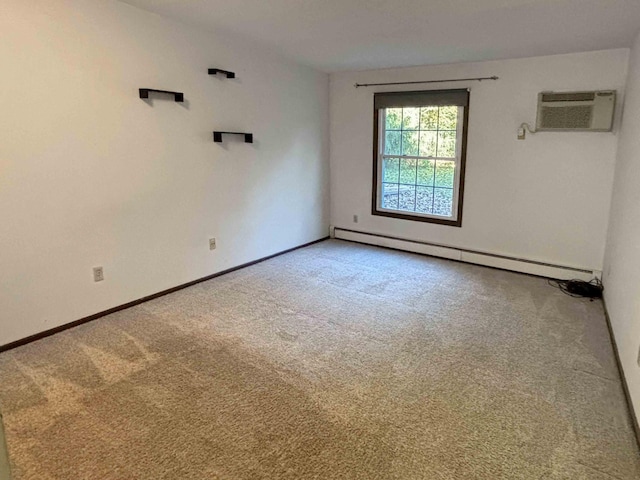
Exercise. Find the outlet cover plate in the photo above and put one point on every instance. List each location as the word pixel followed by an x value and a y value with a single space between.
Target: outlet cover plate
pixel 98 274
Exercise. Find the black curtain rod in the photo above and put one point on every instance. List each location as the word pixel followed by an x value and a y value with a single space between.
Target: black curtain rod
pixel 477 79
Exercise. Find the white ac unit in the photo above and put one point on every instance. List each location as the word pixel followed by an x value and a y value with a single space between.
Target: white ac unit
pixel 576 111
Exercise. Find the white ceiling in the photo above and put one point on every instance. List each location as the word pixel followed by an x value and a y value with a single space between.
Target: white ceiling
pixel 333 35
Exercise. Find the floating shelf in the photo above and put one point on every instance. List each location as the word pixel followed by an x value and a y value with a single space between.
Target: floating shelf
pixel 217 136
pixel 214 71
pixel 178 96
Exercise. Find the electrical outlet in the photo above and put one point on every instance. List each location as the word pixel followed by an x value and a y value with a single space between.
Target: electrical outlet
pixel 212 244
pixel 521 133
pixel 98 274
pixel 355 219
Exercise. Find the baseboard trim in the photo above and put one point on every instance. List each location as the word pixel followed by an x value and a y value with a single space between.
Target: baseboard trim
pixel 66 326
pixel 625 386
pixel 503 262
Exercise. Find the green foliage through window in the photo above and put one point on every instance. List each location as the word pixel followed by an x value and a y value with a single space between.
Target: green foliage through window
pixel 423 185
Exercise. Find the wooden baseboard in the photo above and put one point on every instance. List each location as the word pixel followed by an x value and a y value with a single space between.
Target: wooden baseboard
pixel 625 387
pixel 66 326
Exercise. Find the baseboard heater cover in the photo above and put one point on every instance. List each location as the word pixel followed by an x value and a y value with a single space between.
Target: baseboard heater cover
pixel 504 262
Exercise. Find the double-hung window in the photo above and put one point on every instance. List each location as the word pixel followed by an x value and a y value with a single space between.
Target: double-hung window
pixel 419 155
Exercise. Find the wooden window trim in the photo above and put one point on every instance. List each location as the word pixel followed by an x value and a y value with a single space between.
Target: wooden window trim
pixel 407 216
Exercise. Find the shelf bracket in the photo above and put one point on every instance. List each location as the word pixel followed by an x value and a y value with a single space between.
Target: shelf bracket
pixel 217 136
pixel 214 71
pixel 178 96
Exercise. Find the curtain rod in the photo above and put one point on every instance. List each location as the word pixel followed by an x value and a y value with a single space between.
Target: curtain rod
pixel 477 79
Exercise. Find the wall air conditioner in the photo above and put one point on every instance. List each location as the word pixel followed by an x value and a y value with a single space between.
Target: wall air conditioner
pixel 576 111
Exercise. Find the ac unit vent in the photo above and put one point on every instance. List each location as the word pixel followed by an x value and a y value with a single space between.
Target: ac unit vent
pixel 567 117
pixel 569 97
pixel 576 111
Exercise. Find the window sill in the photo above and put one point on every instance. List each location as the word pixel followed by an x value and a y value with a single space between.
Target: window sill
pixel 417 218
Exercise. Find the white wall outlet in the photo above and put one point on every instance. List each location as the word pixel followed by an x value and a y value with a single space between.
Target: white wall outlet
pixel 212 244
pixel 355 219
pixel 521 133
pixel 98 274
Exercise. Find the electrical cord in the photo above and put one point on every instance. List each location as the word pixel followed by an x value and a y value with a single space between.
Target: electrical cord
pixel 579 288
pixel 528 128
pixel 522 131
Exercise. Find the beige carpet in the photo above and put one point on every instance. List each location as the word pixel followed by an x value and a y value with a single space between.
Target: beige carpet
pixel 337 361
pixel 5 474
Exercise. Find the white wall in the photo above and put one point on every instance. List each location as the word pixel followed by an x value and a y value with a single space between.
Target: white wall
pixel 622 260
pixel 545 199
pixel 92 175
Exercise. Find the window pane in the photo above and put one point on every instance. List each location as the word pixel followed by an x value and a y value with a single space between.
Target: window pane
pixel 443 202
pixel 410 143
pixel 393 119
pixel 393 141
pixel 407 198
pixel 424 199
pixel 408 171
pixel 426 172
pixel 429 118
pixel 419 165
pixel 410 118
pixel 428 142
pixel 390 195
pixel 446 144
pixel 448 118
pixel 390 170
pixel 445 173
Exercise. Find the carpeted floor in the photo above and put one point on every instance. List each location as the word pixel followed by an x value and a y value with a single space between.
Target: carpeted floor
pixel 5 474
pixel 337 361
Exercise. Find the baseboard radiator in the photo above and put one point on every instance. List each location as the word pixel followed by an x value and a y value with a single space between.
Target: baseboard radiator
pixel 504 262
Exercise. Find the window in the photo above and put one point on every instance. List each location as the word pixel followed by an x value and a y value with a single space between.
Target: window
pixel 420 147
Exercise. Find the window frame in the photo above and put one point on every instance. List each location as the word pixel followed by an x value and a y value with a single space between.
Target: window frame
pixel 378 155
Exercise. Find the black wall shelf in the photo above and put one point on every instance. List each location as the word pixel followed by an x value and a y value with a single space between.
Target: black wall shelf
pixel 214 71
pixel 178 96
pixel 217 136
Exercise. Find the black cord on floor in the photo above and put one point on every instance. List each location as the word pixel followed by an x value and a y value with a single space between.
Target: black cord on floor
pixel 579 288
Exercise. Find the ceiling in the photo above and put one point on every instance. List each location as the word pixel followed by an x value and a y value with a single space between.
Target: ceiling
pixel 334 35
